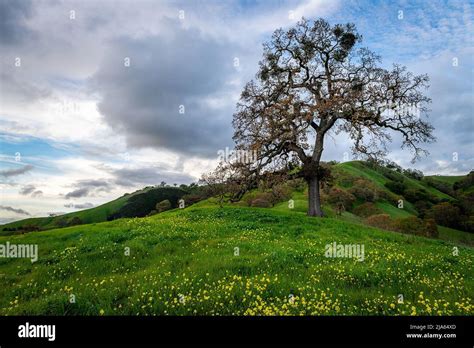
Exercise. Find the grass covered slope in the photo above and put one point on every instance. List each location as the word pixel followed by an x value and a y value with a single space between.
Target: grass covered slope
pixel 185 262
pixel 361 169
pixel 353 175
pixel 96 214
pixel 138 203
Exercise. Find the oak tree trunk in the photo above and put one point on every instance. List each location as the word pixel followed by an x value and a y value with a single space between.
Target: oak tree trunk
pixel 314 198
pixel 312 177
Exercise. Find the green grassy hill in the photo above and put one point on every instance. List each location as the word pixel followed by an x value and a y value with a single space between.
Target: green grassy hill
pixel 137 204
pixel 362 169
pixel 206 260
pixel 447 179
pixel 96 214
pixel 141 202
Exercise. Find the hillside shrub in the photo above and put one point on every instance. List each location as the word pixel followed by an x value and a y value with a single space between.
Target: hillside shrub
pixel 415 194
pixel 163 206
pixel 440 186
pixel 390 197
pixel 397 187
pixel 298 185
pixel 414 174
pixel 393 166
pixel 249 197
pixel 445 214
pixel 431 228
pixel 422 207
pixel 468 224
pixel 464 183
pixel 61 222
pixel 410 225
pixel 279 193
pixel 367 209
pixel 363 189
pixel 382 221
pixel 25 229
pixel 76 220
pixel 340 198
pixel 193 198
pixel 392 175
pixel 344 179
pixel 262 200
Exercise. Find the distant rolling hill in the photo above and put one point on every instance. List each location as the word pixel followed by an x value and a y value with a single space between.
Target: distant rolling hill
pixel 391 184
pixel 137 204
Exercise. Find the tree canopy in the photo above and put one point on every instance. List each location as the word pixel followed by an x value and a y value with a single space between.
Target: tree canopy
pixel 315 79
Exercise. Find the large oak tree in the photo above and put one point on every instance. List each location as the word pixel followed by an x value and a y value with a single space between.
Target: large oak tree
pixel 314 80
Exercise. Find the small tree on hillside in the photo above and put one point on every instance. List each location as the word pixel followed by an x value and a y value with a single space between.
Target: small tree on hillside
pixel 313 80
pixel 221 183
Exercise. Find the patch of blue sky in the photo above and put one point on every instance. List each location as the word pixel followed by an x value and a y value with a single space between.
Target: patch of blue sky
pixel 67 83
pixel 403 31
pixel 18 150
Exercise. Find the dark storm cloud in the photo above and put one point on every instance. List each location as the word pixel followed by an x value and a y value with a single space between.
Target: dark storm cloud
pixel 16 86
pixel 14 172
pixel 30 190
pixel 12 17
pixel 100 184
pixel 79 206
pixel 180 68
pixel 81 192
pixel 126 177
pixel 26 190
pixel 147 176
pixel 89 187
pixel 14 210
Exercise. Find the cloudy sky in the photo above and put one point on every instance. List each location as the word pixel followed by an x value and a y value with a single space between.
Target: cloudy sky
pixel 99 98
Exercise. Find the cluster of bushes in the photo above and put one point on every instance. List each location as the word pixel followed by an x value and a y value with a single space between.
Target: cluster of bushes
pixel 261 200
pixel 397 187
pixel 465 183
pixel 268 197
pixel 298 185
pixel 361 191
pixel 341 199
pixel 141 204
pixel 451 214
pixel 412 195
pixel 457 213
pixel 367 209
pixel 393 171
pixel 390 197
pixel 344 179
pixel 440 186
pixel 407 225
pixel 161 207
pixel 64 222
pixel 364 190
pixel 22 229
pixel 414 174
pixel 415 194
pixel 160 198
